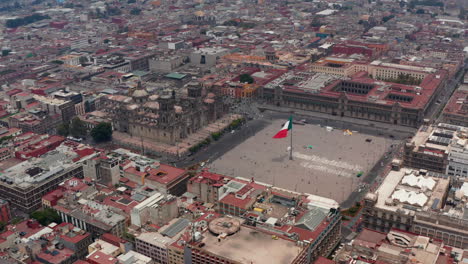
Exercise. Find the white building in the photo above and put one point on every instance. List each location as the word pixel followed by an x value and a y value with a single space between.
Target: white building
pixel 133 257
pixel 140 212
pixel 458 159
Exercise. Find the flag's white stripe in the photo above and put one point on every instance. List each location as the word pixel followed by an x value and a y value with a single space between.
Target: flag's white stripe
pixel 286 125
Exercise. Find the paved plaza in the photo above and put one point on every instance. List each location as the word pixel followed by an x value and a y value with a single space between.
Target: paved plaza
pixel 325 162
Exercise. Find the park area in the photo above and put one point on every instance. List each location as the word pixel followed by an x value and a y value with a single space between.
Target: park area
pixel 326 162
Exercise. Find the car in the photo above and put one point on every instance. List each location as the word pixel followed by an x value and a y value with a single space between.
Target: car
pixel 368 140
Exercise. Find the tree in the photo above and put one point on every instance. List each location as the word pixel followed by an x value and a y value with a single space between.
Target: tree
pixel 387 18
pixel 17 22
pixel 63 129
pixel 102 132
pixel 46 216
pixel 246 78
pixel 77 128
pixel 135 11
pixel 316 22
pixel 83 60
pixel 463 14
pixel 57 62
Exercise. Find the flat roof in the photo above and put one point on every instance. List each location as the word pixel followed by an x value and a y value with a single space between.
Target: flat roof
pixel 175 75
pixel 400 191
pixel 39 170
pixel 252 246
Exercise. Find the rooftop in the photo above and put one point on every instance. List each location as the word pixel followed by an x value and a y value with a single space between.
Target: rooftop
pixel 38 170
pixel 252 246
pixel 409 191
pixel 457 104
pixel 49 100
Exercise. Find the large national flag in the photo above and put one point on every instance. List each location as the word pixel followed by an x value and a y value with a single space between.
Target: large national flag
pixel 284 130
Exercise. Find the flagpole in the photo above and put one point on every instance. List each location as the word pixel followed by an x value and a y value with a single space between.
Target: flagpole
pixel 290 146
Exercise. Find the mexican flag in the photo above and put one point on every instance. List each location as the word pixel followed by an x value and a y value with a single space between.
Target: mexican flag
pixel 284 130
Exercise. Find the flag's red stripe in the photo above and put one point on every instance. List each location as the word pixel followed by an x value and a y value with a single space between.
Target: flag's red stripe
pixel 281 134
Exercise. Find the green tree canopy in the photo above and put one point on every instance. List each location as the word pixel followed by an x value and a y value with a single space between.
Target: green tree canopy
pixel 246 78
pixel 77 128
pixel 102 132
pixel 57 62
pixel 46 216
pixel 17 22
pixel 135 11
pixel 83 60
pixel 63 129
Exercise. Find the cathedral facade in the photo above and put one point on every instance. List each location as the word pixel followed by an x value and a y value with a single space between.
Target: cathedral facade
pixel 165 118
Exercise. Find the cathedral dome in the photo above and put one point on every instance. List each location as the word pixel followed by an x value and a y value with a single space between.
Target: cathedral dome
pixel 140 93
pixel 199 13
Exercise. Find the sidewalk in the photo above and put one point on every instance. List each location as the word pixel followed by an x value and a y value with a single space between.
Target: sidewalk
pixel 355 121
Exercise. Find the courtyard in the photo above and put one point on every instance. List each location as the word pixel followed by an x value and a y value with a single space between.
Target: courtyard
pixel 326 161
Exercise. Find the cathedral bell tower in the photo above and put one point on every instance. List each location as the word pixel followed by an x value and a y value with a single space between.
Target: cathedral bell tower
pixel 194 90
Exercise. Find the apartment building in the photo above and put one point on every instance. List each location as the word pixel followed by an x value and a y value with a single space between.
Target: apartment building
pixel 440 148
pixel 415 201
pixel 64 108
pixel 24 184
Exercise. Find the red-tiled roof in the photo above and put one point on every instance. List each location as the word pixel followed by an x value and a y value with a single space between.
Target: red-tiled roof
pixel 101 258
pixel 112 239
pixel 29 227
pixel 165 174
pixel 83 153
pixel 53 195
pixel 81 262
pixel 456 103
pixel 231 199
pixel 322 260
pixel 60 256
pixel 6 234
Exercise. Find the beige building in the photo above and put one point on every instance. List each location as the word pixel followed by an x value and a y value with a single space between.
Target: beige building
pixel 66 109
pixel 415 201
pixel 440 148
pixel 377 69
pixel 395 202
pixel 156 245
pixel 164 118
pixel 394 247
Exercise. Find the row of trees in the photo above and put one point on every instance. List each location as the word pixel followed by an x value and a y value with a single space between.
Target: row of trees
pixel 415 3
pixel 235 23
pixel 17 22
pixel 403 79
pixel 217 135
pixel 77 128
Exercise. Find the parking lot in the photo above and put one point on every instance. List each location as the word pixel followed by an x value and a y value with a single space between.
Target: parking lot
pixel 325 162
